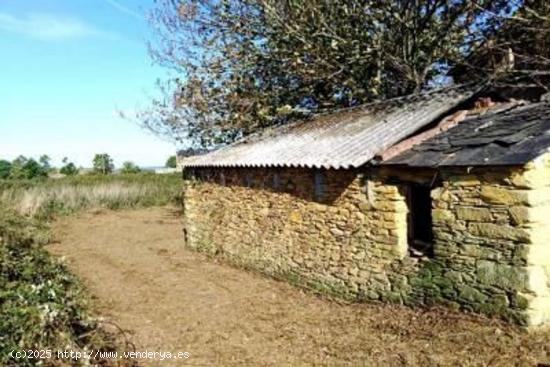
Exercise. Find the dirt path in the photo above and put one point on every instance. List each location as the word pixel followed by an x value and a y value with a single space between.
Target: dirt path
pixel 173 299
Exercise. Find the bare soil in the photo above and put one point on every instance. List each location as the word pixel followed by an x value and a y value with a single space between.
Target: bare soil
pixel 169 298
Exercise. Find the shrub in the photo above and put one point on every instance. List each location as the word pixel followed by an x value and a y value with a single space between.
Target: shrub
pixel 26 168
pixel 42 306
pixel 69 169
pixel 130 167
pixel 5 169
pixel 171 162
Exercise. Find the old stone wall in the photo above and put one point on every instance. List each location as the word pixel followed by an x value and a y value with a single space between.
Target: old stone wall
pixel 481 242
pixel 337 232
pixel 345 232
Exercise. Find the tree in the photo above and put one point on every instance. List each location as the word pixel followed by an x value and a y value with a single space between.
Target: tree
pixel 34 169
pixel 523 40
pixel 17 167
pixel 103 164
pixel 171 162
pixel 68 168
pixel 130 167
pixel 247 64
pixel 26 168
pixel 45 162
pixel 5 169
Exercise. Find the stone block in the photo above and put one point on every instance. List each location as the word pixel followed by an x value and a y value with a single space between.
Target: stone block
pixel 503 276
pixel 539 311
pixel 519 214
pixel 499 195
pixel 464 181
pixel 387 225
pixel 471 250
pixel 295 216
pixel 387 189
pixel 454 276
pixel 474 214
pixel 442 215
pixel 499 232
pixel 470 294
pixel 441 193
pixel 536 175
pixel 538 281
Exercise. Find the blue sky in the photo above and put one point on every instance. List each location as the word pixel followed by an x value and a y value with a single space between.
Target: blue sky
pixel 66 67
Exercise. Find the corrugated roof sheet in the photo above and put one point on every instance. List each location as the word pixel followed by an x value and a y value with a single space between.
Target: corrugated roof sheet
pixel 512 136
pixel 345 139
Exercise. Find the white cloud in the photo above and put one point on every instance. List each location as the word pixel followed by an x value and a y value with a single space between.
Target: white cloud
pixel 48 27
pixel 125 9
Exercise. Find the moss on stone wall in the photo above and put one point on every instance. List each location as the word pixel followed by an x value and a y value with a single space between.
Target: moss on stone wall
pixel 351 241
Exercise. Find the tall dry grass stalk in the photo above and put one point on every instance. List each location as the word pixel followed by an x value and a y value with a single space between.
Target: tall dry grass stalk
pixel 67 197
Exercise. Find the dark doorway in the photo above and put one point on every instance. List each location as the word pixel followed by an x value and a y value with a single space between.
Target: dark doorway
pixel 420 220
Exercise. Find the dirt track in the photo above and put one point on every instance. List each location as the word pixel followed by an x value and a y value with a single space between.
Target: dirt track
pixel 172 299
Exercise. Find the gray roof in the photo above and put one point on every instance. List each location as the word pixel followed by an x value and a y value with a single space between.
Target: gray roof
pixel 346 139
pixel 513 136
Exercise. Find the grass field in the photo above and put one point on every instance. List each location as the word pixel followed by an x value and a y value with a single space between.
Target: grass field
pixel 47 198
pixel 42 305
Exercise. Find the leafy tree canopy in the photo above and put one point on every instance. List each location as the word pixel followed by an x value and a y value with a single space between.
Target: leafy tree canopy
pixel 524 37
pixel 171 162
pixel 5 169
pixel 26 168
pixel 245 64
pixel 129 167
pixel 68 168
pixel 45 162
pixel 103 164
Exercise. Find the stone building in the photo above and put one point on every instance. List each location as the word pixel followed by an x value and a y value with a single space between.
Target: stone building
pixel 436 198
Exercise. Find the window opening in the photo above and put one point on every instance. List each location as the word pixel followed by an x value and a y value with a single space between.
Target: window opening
pixel 420 220
pixel 319 181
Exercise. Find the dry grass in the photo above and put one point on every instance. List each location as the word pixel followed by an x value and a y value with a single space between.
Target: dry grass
pixel 43 306
pixel 226 316
pixel 59 197
pixel 73 198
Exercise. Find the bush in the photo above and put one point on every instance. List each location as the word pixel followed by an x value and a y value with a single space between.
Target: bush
pixel 5 169
pixel 129 167
pixel 26 168
pixel 69 169
pixel 171 162
pixel 42 306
